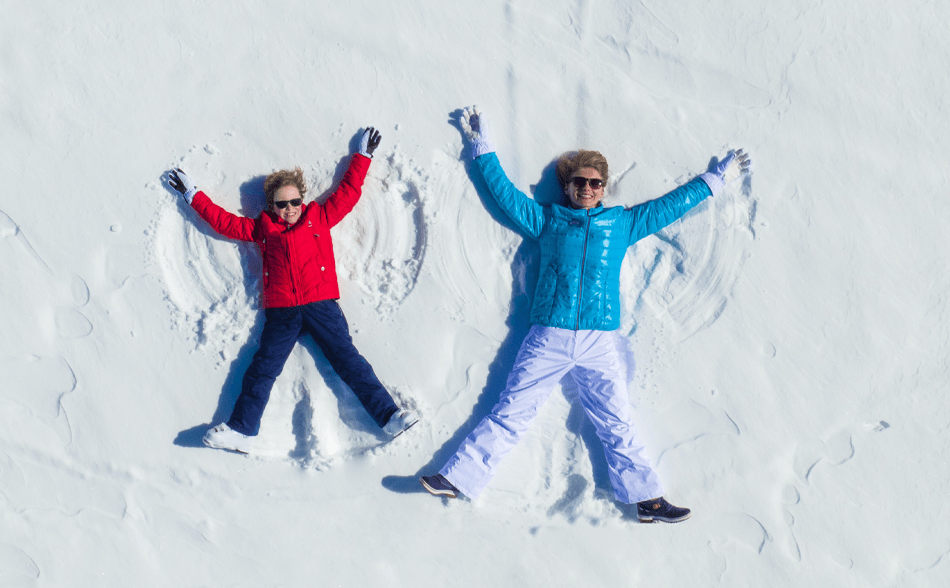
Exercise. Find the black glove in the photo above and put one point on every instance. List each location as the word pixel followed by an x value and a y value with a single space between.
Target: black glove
pixel 369 142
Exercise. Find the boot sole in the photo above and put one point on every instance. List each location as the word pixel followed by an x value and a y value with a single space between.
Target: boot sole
pixel 224 447
pixel 438 491
pixel 648 520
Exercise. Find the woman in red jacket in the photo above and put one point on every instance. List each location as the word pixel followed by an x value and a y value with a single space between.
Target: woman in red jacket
pixel 300 293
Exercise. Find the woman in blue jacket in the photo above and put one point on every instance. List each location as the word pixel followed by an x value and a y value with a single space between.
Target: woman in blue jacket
pixel 574 318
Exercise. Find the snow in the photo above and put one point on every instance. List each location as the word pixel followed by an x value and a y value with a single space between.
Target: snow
pixel 790 335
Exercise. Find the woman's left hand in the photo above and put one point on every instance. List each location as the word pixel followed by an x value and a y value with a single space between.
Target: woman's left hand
pixel 736 164
pixel 369 142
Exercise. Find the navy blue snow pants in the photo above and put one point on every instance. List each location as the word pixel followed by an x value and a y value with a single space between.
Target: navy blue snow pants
pixel 325 322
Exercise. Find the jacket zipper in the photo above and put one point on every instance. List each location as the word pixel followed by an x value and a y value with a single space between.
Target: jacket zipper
pixel 292 266
pixel 580 284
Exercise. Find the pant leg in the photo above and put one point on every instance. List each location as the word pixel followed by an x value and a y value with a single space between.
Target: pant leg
pixel 324 320
pixel 541 363
pixel 601 379
pixel 281 330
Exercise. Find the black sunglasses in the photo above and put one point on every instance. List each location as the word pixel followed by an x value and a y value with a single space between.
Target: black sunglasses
pixel 282 204
pixel 580 181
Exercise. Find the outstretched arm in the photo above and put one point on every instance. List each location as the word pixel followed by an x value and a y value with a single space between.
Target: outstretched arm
pixel 650 217
pixel 527 214
pixel 347 194
pixel 230 225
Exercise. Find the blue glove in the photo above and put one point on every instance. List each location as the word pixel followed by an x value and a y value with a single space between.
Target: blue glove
pixel 182 184
pixel 369 142
pixel 476 130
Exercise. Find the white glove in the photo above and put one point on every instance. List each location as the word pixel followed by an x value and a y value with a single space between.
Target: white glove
pixel 182 184
pixel 736 164
pixel 476 130
pixel 369 142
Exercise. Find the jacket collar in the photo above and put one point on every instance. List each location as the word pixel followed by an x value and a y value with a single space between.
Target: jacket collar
pixel 583 211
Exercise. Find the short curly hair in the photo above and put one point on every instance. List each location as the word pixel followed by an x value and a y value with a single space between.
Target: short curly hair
pixel 568 164
pixel 279 179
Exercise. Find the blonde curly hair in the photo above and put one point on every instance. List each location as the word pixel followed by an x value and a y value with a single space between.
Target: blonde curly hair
pixel 281 178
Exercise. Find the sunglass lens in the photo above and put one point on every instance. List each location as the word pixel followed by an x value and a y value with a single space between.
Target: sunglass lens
pixel 580 182
pixel 282 204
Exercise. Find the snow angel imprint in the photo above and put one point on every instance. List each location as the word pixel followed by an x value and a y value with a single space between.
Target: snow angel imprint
pixel 300 293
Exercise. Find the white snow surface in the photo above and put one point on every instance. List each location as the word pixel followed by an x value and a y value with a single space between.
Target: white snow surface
pixel 791 334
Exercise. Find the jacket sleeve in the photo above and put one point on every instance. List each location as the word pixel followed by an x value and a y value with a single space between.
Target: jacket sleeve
pixel 527 214
pixel 223 222
pixel 650 217
pixel 347 194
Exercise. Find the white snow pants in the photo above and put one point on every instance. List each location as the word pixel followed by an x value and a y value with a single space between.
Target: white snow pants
pixel 597 361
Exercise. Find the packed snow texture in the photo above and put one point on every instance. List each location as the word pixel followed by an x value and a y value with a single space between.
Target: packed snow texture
pixel 790 334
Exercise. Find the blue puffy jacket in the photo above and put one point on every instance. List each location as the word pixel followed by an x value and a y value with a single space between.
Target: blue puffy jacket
pixel 582 250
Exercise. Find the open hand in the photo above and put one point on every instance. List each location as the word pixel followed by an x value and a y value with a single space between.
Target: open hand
pixel 369 142
pixel 475 127
pixel 736 164
pixel 182 184
pixel 474 124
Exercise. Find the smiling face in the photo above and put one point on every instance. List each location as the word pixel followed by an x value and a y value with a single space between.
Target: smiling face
pixel 585 197
pixel 290 213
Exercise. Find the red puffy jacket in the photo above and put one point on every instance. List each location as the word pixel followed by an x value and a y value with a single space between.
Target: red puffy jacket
pixel 299 267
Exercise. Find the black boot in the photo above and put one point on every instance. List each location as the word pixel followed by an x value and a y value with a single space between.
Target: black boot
pixel 659 509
